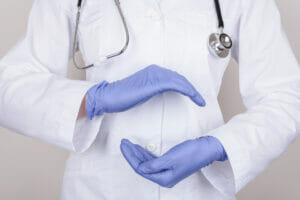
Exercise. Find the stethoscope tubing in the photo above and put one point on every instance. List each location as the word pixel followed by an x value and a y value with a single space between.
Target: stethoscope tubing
pixel 127 39
pixel 123 49
pixel 219 14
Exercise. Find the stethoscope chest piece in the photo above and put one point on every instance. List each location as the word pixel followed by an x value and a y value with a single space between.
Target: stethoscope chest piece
pixel 220 44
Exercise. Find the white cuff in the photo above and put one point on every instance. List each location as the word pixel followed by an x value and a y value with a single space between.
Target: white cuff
pixel 77 135
pixel 85 133
pixel 222 175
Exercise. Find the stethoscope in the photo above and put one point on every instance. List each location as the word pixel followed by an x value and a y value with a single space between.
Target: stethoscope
pixel 219 43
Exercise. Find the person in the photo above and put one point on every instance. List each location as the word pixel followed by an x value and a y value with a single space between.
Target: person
pixel 147 124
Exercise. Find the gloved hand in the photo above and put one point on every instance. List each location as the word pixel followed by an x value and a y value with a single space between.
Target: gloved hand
pixel 178 163
pixel 136 89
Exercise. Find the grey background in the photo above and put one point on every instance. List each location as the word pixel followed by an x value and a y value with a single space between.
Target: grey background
pixel 33 170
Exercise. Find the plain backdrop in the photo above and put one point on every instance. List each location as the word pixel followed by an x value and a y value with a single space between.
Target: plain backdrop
pixel 32 170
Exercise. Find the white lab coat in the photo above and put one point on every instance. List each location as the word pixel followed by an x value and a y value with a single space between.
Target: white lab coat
pixel 38 100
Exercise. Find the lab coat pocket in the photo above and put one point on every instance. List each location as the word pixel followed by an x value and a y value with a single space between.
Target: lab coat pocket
pixel 101 30
pixel 92 18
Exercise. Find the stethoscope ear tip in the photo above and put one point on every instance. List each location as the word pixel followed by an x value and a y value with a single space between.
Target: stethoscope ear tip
pixel 100 60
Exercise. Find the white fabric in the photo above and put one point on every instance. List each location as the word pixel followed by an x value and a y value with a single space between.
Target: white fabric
pixel 38 100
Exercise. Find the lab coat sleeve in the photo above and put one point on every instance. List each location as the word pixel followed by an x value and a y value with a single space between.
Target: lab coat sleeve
pixel 37 99
pixel 270 88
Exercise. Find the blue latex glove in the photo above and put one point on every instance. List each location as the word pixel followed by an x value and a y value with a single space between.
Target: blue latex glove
pixel 136 89
pixel 178 163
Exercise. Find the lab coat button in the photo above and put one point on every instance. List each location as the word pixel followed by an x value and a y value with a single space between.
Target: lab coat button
pixel 151 147
pixel 154 15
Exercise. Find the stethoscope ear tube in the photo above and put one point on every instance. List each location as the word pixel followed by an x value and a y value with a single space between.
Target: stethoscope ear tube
pixel 79 3
pixel 75 41
pixel 219 14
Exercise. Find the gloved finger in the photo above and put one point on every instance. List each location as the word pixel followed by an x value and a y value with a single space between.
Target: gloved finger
pixel 134 150
pixel 133 157
pixel 140 152
pixel 148 155
pixel 184 87
pixel 154 166
pixel 197 97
